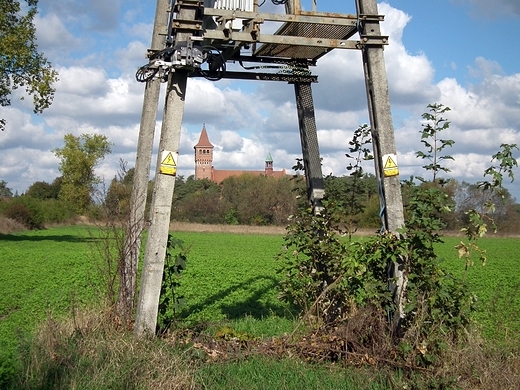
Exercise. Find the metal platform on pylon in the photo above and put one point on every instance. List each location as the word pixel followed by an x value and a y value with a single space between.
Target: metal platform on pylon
pixel 302 36
pixel 328 32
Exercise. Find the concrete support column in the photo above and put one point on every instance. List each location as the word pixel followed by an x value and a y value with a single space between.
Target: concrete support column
pixel 151 280
pixel 383 142
pixel 136 221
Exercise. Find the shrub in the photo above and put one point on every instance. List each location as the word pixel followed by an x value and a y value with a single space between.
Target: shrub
pixel 26 211
pixel 55 211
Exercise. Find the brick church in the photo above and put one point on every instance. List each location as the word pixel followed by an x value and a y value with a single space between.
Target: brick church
pixel 204 163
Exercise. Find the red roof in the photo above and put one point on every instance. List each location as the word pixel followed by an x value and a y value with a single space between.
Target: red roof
pixel 218 175
pixel 204 140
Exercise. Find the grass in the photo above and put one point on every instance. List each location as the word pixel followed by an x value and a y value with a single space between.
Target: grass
pixel 496 284
pixel 231 276
pixel 262 373
pixel 44 271
pixel 229 282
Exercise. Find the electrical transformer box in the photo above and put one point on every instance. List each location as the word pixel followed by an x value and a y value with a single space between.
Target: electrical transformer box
pixel 233 5
pixel 241 5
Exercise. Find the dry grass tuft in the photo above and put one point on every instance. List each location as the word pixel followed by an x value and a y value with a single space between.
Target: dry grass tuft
pixel 8 226
pixel 87 352
pixel 483 364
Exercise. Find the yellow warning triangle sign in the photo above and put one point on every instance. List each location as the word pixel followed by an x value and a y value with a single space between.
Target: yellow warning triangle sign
pixel 169 160
pixel 390 164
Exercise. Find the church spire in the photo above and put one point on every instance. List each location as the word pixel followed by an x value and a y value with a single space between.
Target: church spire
pixel 203 139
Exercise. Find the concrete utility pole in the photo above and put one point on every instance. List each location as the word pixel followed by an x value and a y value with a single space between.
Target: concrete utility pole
pixel 136 222
pixel 383 140
pixel 148 303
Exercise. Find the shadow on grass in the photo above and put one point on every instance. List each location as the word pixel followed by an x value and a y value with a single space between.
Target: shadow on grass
pixel 254 305
pixel 58 238
pixel 89 237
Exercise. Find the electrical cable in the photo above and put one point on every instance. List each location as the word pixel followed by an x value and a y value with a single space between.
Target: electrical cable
pixel 259 66
pixel 145 73
pixel 279 2
pixel 287 69
pixel 216 64
pixel 383 206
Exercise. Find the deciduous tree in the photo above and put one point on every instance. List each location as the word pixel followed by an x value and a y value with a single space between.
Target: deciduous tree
pixel 4 190
pixel 43 190
pixel 21 65
pixel 430 137
pixel 79 156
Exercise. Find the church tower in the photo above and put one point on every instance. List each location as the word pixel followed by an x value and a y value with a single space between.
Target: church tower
pixel 269 165
pixel 203 156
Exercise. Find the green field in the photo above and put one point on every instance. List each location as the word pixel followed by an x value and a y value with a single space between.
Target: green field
pixel 43 272
pixel 497 284
pixel 230 278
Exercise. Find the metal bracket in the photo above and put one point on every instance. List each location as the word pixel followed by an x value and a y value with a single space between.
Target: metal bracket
pixel 372 40
pixel 179 24
pixel 186 56
pixel 188 3
pixel 371 18
pixel 252 27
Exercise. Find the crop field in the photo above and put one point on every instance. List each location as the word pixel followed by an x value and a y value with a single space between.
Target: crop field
pixel 43 272
pixel 496 285
pixel 230 278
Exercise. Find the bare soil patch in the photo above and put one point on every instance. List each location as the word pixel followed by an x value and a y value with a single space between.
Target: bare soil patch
pixel 238 229
pixel 242 229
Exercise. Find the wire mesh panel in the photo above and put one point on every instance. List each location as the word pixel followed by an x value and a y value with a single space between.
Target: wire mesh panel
pixel 308 30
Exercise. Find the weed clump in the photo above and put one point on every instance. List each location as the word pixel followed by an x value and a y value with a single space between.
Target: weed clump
pixel 8 225
pixel 88 352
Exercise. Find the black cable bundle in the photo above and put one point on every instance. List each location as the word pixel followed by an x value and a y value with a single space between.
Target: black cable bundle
pixel 216 64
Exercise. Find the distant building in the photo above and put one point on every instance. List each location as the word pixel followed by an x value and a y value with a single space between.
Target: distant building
pixel 204 163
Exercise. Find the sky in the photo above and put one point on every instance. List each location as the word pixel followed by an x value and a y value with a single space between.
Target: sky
pixel 464 54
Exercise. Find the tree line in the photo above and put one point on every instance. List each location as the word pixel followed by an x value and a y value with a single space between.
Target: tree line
pixel 250 199
pixel 245 200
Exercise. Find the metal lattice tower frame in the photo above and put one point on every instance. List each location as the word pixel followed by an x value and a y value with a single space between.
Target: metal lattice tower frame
pixel 196 34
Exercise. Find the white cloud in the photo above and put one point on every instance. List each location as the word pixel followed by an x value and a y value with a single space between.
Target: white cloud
pixel 230 141
pixel 87 95
pixel 469 110
pixel 81 81
pixel 97 93
pixel 143 31
pixel 484 68
pixel 130 58
pixel 53 36
pixel 92 15
pixel 410 76
pixel 21 130
pixel 497 8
